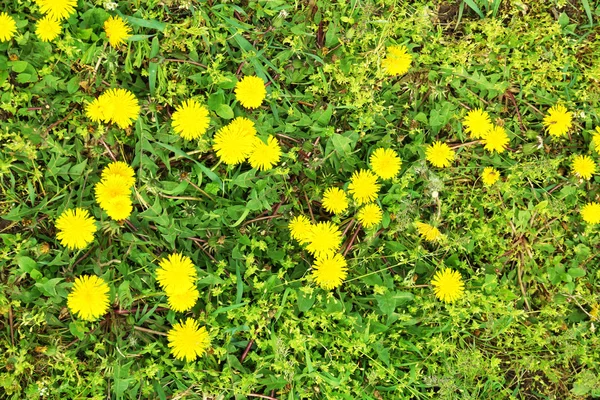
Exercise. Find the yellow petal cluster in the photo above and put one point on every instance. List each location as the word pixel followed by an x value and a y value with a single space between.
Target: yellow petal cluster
pixel 8 27
pixel 234 142
pixel 114 190
pixel 76 228
pixel 119 106
pixel 117 31
pixel 47 29
pixel 329 271
pixel 188 340
pixel 397 60
pixel 177 276
pixel 88 297
pixel 448 285
pixel 190 120
pixel 335 200
pixel 439 154
pixel 250 91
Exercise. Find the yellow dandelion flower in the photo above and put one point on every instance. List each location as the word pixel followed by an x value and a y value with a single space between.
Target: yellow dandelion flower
pixel 596 139
pixel 120 169
pixel 439 154
pixel 301 229
pixel 47 29
pixel 187 340
pixel 183 300
pixel 76 228
pixel 385 163
pixel 477 123
pixel 118 208
pixel 234 142
pixel 363 186
pixel 448 285
pixel 123 107
pixel 8 27
pixel 397 60
pixel 99 110
pixel 190 120
pixel 558 121
pixel 428 232
pixel 264 156
pixel 111 187
pixel 325 238
pixel 176 274
pixel 57 9
pixel 370 215
pixel 583 167
pixel 495 140
pixel 250 91
pixel 89 297
pixel 335 200
pixel 489 176
pixel 117 31
pixel 591 213
pixel 329 271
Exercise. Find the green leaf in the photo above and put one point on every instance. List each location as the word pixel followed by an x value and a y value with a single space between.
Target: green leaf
pixel 474 7
pixel 576 272
pixel 224 111
pixel 152 24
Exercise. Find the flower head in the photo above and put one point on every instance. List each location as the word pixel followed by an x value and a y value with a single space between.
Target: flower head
pixel 370 215
pixel 335 200
pixel 397 60
pixel 99 110
pixel 477 123
pixel 234 142
pixel 118 208
pixel 89 297
pixel 250 91
pixel 75 228
pixel 264 156
pixel 190 120
pixel 8 27
pixel 496 139
pixel 596 139
pixel 47 29
pixel 363 186
pixel 489 176
pixel 123 107
pixel 176 274
pixel 188 341
pixel 439 154
pixel 301 229
pixel 558 121
pixel 385 163
pixel 184 300
pixel 428 232
pixel 325 238
pixel 119 169
pixel 583 167
pixel 448 285
pixel 117 31
pixel 591 213
pixel 57 9
pixel 110 187
pixel 329 271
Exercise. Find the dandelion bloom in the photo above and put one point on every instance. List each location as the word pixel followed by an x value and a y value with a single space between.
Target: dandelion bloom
pixel 363 186
pixel 190 120
pixel 47 29
pixel 428 232
pixel 335 200
pixel 117 31
pixel 370 215
pixel 111 187
pixel 250 91
pixel 120 169
pixel 439 154
pixel 448 285
pixel 264 156
pixel 187 340
pixel 325 238
pixel 184 300
pixel 496 140
pixel 119 208
pixel 57 9
pixel 89 297
pixel 591 213
pixel 596 139
pixel 99 110
pixel 76 228
pixel 125 107
pixel 234 142
pixel 8 27
pixel 397 60
pixel 489 176
pixel 477 123
pixel 558 121
pixel 329 271
pixel 385 163
pixel 583 167
pixel 301 229
pixel 176 274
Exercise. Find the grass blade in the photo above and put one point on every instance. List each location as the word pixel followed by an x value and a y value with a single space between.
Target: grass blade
pixel 474 7
pixel 588 11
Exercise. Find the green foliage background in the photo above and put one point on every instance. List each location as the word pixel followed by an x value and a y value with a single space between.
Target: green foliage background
pixel 526 325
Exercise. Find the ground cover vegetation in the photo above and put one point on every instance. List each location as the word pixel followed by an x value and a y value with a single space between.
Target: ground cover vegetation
pixel 299 199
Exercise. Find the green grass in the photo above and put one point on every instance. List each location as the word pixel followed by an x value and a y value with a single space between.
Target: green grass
pixel 526 326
